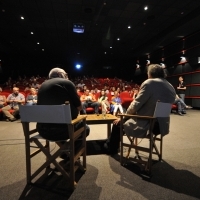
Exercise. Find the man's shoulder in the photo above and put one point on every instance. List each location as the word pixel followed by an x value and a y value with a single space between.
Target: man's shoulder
pixel 59 81
pixel 155 81
pixel 20 94
pixel 10 95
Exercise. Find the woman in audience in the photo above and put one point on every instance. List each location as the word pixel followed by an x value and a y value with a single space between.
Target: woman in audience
pixel 2 99
pixel 103 100
pixel 31 99
pixel 112 91
pixel 28 87
pixel 116 104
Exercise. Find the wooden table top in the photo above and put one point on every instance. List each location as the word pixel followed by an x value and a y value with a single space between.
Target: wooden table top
pixel 100 119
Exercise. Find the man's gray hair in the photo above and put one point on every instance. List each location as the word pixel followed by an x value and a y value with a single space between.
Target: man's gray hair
pixel 156 71
pixel 57 73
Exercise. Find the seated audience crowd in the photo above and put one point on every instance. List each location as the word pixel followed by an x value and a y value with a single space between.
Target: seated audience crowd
pixel 96 95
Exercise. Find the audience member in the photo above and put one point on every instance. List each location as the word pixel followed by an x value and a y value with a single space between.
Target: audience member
pixel 106 89
pixel 27 87
pixel 112 91
pixel 155 88
pixel 35 84
pixel 31 98
pixel 89 100
pixel 103 100
pixel 96 90
pixel 116 103
pixel 13 100
pixel 84 88
pixel 181 105
pixel 2 99
pixel 81 84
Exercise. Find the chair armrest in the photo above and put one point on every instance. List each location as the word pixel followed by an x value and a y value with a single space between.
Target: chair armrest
pixel 136 116
pixel 78 119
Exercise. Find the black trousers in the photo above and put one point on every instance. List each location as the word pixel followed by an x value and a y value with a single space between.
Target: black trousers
pixel 114 140
pixel 56 132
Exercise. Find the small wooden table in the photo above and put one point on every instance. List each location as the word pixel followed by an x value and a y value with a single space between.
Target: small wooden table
pixel 100 119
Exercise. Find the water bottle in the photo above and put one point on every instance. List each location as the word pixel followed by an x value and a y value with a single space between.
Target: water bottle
pixel 103 114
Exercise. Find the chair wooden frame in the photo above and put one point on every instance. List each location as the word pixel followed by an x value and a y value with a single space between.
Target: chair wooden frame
pixel 161 110
pixel 60 114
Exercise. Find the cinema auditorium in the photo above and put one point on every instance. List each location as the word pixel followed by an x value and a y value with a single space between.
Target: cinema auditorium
pixel 99 99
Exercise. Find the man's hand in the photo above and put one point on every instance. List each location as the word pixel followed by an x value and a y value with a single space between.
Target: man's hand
pixel 116 121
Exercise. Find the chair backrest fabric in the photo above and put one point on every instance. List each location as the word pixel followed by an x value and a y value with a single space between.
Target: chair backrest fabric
pixel 162 109
pixel 57 114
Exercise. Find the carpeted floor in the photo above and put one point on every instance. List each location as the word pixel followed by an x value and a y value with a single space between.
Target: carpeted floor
pixel 176 177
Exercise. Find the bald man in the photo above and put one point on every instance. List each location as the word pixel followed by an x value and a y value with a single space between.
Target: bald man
pixel 13 101
pixel 56 91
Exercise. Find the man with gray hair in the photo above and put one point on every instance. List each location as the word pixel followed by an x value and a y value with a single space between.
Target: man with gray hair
pixel 56 91
pixel 155 88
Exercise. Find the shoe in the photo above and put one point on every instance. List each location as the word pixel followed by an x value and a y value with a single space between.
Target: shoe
pixel 188 107
pixel 114 151
pixel 106 146
pixel 64 156
pixel 110 151
pixel 13 119
pixel 180 113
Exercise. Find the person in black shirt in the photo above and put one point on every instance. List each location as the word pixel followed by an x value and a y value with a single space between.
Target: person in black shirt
pixel 56 91
pixel 181 88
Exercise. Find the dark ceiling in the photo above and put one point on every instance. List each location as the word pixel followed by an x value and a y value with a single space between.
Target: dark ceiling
pixel 52 21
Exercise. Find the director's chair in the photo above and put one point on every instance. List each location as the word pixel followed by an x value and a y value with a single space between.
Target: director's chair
pixel 57 114
pixel 156 130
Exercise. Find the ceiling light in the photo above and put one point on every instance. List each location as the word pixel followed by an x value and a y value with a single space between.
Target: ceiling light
pixel 182 13
pixel 105 52
pixel 31 33
pixel 118 38
pixel 22 17
pixel 183 60
pixel 38 43
pixel 146 8
pixel 163 65
pixel 110 47
pixel 137 66
pixel 42 49
pixel 3 10
pixel 129 27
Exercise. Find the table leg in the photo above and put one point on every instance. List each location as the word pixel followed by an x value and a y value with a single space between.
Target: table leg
pixel 108 130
